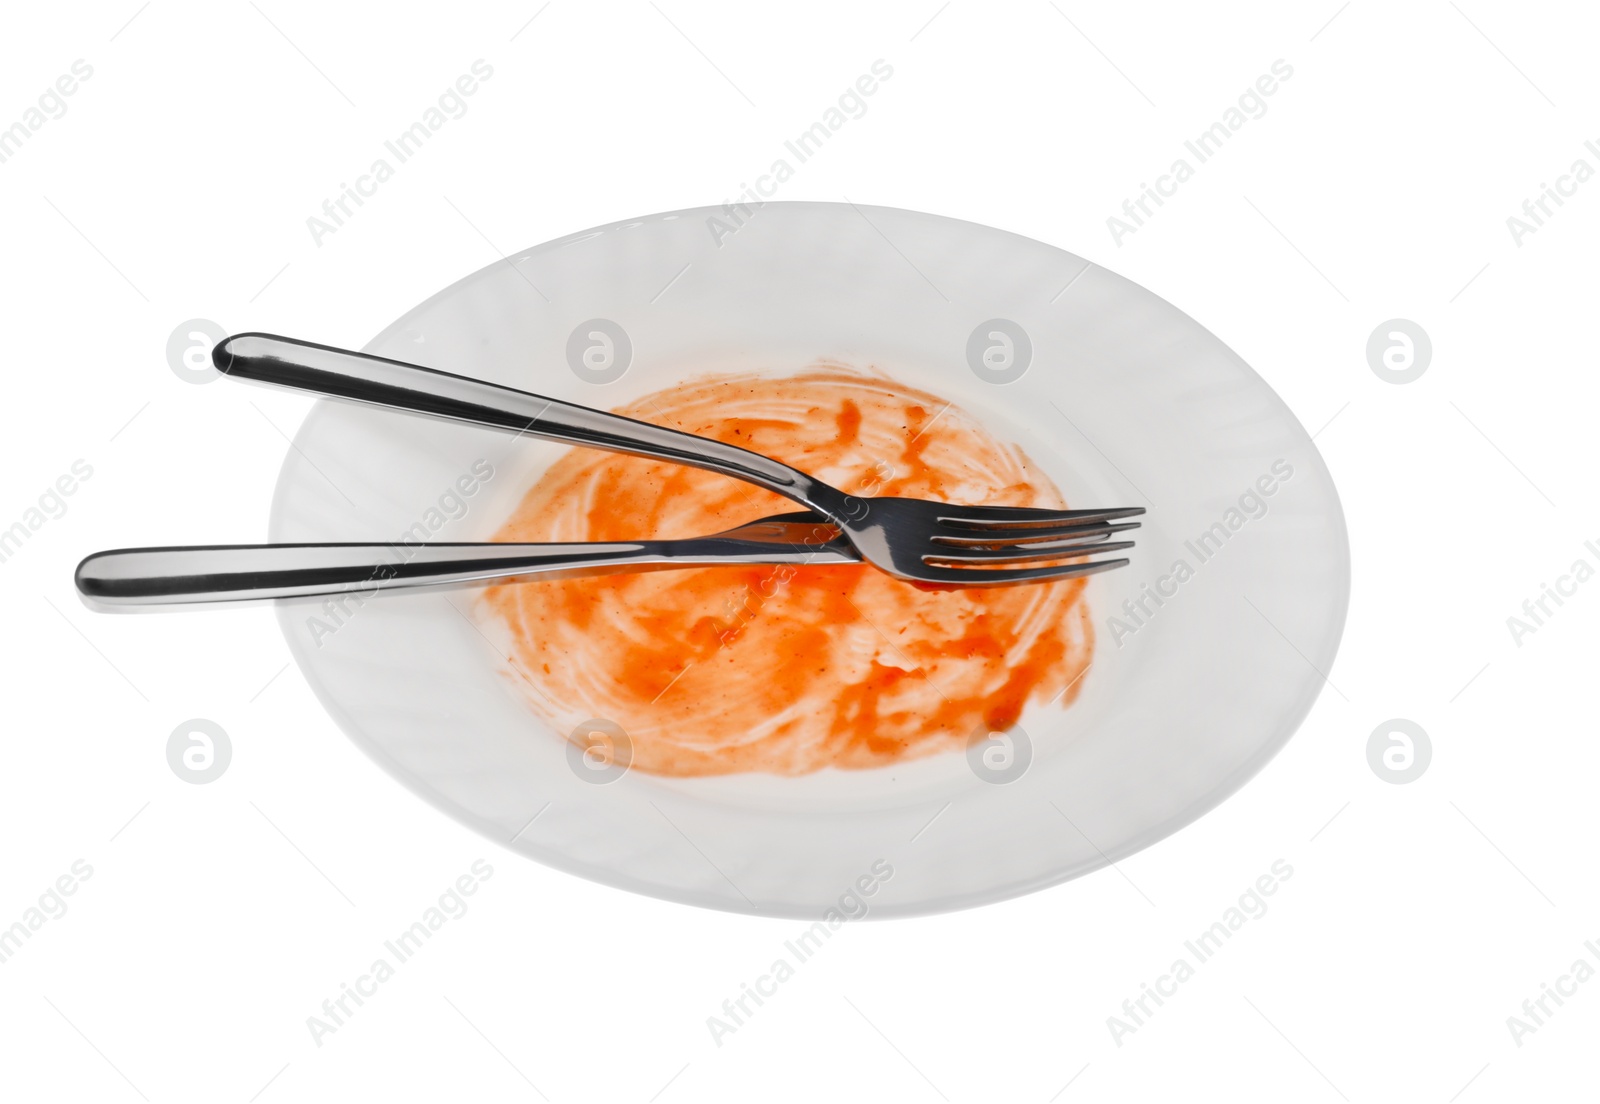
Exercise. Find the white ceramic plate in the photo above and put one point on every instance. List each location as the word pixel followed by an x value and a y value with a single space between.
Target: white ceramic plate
pixel 1123 400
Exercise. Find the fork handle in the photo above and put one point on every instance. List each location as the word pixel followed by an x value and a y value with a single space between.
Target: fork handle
pixel 342 374
pixel 152 577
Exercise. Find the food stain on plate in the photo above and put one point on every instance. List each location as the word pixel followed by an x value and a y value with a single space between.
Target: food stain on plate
pixel 786 669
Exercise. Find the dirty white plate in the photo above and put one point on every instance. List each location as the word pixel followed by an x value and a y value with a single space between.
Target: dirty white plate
pixel 1201 673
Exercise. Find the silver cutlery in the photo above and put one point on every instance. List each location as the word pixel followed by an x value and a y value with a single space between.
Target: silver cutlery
pixel 155 577
pixel 913 539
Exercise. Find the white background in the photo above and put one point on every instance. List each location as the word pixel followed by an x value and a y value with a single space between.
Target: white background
pixel 1378 184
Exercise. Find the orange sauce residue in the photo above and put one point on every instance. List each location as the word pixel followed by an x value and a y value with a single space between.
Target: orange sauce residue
pixel 786 669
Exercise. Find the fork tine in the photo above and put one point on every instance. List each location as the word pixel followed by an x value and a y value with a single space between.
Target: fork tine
pixel 989 517
pixel 966 576
pixel 982 538
pixel 1026 553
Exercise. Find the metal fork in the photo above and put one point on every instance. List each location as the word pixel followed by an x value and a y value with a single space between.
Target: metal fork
pixel 914 539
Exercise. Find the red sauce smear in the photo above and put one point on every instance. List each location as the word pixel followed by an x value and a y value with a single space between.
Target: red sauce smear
pixel 786 669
